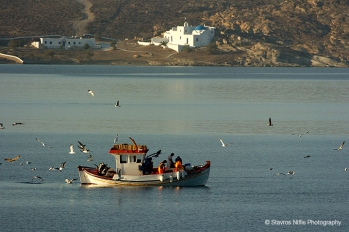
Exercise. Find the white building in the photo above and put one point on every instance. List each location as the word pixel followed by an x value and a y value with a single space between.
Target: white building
pixel 64 42
pixel 192 36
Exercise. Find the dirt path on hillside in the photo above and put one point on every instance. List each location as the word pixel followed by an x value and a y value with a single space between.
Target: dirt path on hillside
pixel 79 25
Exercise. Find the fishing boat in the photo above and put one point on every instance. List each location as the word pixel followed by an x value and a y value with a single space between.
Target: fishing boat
pixel 135 168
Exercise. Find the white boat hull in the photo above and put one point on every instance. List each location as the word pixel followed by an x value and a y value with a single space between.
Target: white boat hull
pixel 199 178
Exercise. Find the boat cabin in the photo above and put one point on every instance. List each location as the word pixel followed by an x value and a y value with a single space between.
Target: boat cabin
pixel 128 157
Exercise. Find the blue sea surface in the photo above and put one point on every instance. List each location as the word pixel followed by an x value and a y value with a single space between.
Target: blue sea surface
pixel 184 110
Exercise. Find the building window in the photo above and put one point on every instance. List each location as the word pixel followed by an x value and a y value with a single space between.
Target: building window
pixel 73 42
pixel 197 39
pixel 50 42
pixel 79 42
pixel 45 42
pixel 59 42
pixel 69 42
pixel 180 37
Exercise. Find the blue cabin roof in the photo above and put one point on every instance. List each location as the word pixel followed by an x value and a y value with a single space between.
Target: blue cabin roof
pixel 200 27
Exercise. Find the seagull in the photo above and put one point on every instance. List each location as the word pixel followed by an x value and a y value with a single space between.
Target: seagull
pixel 307 156
pixel 17 123
pixel 69 181
pixel 43 144
pixel 279 173
pixel 37 177
pixel 71 151
pixel 300 135
pixel 117 104
pixel 12 159
pixel 52 168
pixel 116 138
pixel 270 169
pixel 81 145
pixel 84 150
pixel 33 169
pixel 291 173
pixel 2 126
pixel 340 147
pixel 28 162
pixel 345 169
pixel 90 92
pixel 89 158
pixel 224 144
pixel 62 166
pixel 269 122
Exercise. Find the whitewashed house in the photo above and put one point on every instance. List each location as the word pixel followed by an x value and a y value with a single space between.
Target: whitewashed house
pixel 192 36
pixel 64 42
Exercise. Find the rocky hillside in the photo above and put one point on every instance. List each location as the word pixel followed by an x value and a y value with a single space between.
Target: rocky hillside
pixel 255 32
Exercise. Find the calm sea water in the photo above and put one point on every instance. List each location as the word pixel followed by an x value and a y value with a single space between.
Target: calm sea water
pixel 184 110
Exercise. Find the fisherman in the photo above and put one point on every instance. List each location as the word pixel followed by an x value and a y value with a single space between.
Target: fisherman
pixel 178 159
pixel 170 163
pixel 161 167
pixel 178 165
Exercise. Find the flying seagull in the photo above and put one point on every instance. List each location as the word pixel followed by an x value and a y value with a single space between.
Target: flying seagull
pixel 52 168
pixel 224 144
pixel 116 138
pixel 83 148
pixel 37 177
pixel 61 166
pixel 117 104
pixel 300 135
pixel 71 150
pixel 17 123
pixel 269 122
pixel 90 92
pixel 69 181
pixel 12 159
pixel 89 158
pixel 340 147
pixel 43 144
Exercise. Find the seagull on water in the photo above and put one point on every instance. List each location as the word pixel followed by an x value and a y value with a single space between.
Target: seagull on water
pixel 224 144
pixel 10 160
pixel 33 169
pixel 71 150
pixel 279 173
pixel 307 156
pixel 42 143
pixel 90 92
pixel 340 147
pixel 2 126
pixel 269 122
pixel 291 173
pixel 37 177
pixel 69 181
pixel 345 169
pixel 117 104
